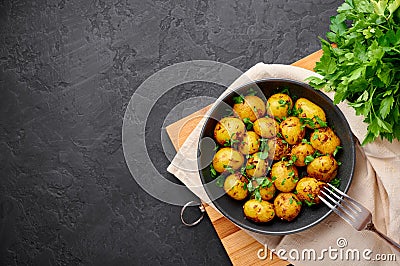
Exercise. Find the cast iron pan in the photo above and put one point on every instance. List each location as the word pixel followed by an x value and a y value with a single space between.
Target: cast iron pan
pixel 309 216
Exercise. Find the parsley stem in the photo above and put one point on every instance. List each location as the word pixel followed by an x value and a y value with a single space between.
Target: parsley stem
pixel 394 49
pixel 383 27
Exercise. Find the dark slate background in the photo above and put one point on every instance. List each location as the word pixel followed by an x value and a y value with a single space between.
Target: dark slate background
pixel 67 72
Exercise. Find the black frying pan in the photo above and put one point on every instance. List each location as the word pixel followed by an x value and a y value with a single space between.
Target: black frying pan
pixel 309 216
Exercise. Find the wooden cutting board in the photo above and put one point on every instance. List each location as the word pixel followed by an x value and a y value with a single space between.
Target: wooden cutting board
pixel 241 248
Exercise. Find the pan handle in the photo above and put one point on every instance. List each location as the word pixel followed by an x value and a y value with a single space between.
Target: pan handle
pixel 191 204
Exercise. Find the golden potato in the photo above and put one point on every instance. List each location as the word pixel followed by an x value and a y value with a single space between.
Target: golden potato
pixel 250 143
pixel 227 157
pixel 285 176
pixel 300 152
pixel 267 192
pixel 277 149
pixel 252 107
pixel 229 128
pixel 324 140
pixel 266 127
pixel 256 166
pixel 234 186
pixel 308 190
pixel 291 130
pixel 323 168
pixel 287 206
pixel 259 211
pixel 278 105
pixel 310 110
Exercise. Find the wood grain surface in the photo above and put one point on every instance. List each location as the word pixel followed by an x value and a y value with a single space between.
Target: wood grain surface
pixel 241 248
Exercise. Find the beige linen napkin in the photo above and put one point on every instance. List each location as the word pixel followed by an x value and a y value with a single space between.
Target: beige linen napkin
pixel 376 184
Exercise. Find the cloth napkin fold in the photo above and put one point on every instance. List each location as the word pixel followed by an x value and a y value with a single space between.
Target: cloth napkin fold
pixel 376 184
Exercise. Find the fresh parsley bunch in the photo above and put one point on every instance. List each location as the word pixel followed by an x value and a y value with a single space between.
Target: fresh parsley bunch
pixel 363 67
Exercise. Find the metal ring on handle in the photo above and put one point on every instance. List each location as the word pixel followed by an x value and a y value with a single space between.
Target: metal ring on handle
pixel 190 204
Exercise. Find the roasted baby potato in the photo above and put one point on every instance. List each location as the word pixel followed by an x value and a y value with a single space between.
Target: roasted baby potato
pixel 266 127
pixel 250 143
pixel 255 166
pixel 323 168
pixel 291 130
pixel 310 110
pixel 287 206
pixel 308 190
pixel 234 186
pixel 277 149
pixel 300 152
pixel 324 140
pixel 229 128
pixel 267 192
pixel 252 107
pixel 285 176
pixel 227 157
pixel 278 105
pixel 259 211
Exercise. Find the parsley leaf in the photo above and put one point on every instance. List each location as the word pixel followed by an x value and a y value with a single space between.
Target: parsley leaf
pixel 248 123
pixel 308 159
pixel 337 150
pixel 238 99
pixel 363 67
pixel 220 181
pixel 229 169
pixel 335 182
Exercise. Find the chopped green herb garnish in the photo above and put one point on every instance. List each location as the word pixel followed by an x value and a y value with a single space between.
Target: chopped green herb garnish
pixel 231 142
pixel 308 159
pixel 335 182
pixel 309 203
pixel 285 90
pixel 243 171
pixel 248 123
pixel 229 169
pixel 320 122
pixel 238 99
pixel 250 166
pixel 263 155
pixel 257 194
pixel 220 181
pixel 307 121
pixel 251 92
pixel 317 154
pixel 229 112
pixel 337 150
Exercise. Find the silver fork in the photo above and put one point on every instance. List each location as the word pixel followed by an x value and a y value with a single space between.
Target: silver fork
pixel 351 211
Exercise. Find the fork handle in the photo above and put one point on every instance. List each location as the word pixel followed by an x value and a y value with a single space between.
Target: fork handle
pixel 371 227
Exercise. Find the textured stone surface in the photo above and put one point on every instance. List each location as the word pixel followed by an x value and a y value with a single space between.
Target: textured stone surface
pixel 67 72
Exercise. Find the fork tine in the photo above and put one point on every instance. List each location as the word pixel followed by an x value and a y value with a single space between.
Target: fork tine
pixel 362 208
pixel 343 201
pixel 344 217
pixel 338 205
